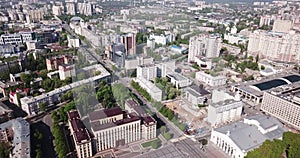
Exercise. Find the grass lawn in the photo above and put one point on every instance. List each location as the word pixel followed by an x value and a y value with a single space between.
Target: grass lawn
pixel 150 143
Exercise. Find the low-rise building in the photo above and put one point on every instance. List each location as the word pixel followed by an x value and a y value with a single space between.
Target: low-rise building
pixel 238 138
pixel 179 80
pixel 17 132
pixel 81 136
pixel 196 95
pixel 150 87
pixel 30 104
pixel 210 80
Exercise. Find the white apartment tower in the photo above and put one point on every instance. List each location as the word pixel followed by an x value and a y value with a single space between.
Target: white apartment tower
pixel 284 47
pixel 70 8
pixel 205 45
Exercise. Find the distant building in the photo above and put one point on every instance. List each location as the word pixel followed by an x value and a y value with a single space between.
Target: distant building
pixel 275 46
pixel 265 20
pixel 235 38
pixel 150 87
pixel 210 80
pixel 134 63
pixel 179 80
pixel 149 72
pixel 284 104
pixel 151 43
pixel 85 8
pixel 17 38
pixel 54 62
pixel 238 138
pixel 159 39
pixel 57 10
pixel 81 136
pixel 205 45
pixel 224 108
pixel 17 131
pixel 70 8
pixel 73 42
pixel 282 26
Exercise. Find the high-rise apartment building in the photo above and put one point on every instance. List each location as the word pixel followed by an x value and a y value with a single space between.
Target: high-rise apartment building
pixel 70 8
pixel 85 8
pixel 284 47
pixel 205 45
pixel 57 10
pixel 265 20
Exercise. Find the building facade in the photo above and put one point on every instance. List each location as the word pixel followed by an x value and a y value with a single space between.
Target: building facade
pixel 148 72
pixel 284 105
pixel 150 87
pixel 205 45
pixel 80 135
pixel 224 108
pixel 282 47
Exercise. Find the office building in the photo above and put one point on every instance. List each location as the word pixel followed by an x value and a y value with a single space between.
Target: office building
pixel 283 47
pixel 129 41
pixel 150 87
pixel 80 135
pixel 149 124
pixel 208 46
pixel 210 80
pixel 149 72
pixel 112 128
pixel 283 103
pixel 134 63
pixel 165 68
pixel 16 131
pixel 224 108
pixel 238 138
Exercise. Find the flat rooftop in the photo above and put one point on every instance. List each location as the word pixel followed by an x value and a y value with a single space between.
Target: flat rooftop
pixel 101 114
pixel 97 126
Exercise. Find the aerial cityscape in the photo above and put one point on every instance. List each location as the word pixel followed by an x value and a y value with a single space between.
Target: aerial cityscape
pixel 149 79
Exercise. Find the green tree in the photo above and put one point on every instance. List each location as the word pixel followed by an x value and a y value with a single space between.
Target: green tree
pixel 120 93
pixel 43 106
pixel 163 129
